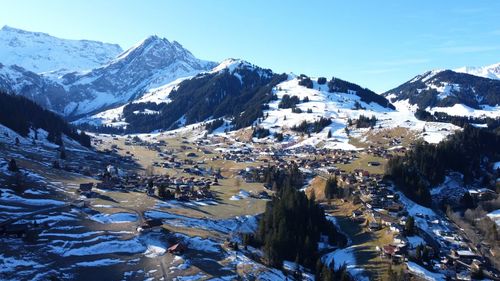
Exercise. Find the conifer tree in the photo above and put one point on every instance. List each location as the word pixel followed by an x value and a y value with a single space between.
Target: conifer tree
pixel 13 165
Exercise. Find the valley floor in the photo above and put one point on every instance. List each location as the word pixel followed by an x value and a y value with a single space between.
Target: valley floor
pixel 66 235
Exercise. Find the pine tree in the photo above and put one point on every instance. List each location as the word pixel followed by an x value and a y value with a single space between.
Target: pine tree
pixel 419 252
pixel 331 188
pixel 62 152
pixel 467 201
pixel 409 226
pixel 329 134
pixel 13 165
pixel 162 191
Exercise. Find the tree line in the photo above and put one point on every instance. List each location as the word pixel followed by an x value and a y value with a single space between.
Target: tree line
pixel 21 114
pixel 363 121
pixel 461 121
pixel 290 229
pixel 241 98
pixel 313 127
pixel 425 165
pixel 366 95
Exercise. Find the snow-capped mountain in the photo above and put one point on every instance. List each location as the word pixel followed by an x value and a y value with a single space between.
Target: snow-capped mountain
pixel 232 103
pixel 231 88
pixel 447 88
pixel 114 117
pixel 39 52
pixel 47 93
pixel 150 64
pixel 240 93
pixel 490 71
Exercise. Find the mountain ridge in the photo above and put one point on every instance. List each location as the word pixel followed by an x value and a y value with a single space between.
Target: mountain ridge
pixel 151 63
pixel 43 53
pixel 490 71
pixel 446 88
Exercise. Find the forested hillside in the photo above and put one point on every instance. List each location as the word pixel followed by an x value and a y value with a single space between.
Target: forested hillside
pixel 241 97
pixel 21 114
pixel 426 165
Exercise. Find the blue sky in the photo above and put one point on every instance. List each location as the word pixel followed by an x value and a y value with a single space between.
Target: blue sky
pixel 377 44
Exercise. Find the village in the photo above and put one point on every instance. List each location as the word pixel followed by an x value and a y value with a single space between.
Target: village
pixel 380 207
pixel 202 176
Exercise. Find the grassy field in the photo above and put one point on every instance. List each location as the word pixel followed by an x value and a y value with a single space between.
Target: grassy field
pixel 364 242
pixel 362 163
pixel 382 138
pixel 228 187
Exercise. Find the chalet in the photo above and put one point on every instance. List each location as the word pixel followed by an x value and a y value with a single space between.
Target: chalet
pixel 263 195
pixel 395 228
pixel 394 207
pixel 150 225
pixel 373 226
pixel 178 248
pixel 464 256
pixel 357 213
pixel 390 250
pixel 86 187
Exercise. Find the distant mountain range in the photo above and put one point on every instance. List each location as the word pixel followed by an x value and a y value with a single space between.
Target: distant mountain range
pixel 113 80
pixel 41 53
pixel 158 84
pixel 446 88
pixel 490 71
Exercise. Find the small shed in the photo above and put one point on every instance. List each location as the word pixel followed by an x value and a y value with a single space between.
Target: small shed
pixel 178 248
pixel 86 186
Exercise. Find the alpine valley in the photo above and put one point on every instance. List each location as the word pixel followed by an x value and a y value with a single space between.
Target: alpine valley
pixel 152 164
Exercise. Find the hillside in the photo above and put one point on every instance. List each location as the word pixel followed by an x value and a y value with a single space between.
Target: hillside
pixel 446 88
pixel 241 93
pixel 25 117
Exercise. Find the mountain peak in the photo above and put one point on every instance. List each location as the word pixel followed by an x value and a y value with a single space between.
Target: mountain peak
pixel 152 39
pixel 446 88
pixel 8 28
pixel 232 64
pixel 155 46
pixel 489 71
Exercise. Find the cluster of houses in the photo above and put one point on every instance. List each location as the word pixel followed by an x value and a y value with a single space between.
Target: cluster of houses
pixel 382 208
pixel 237 154
pixel 381 152
pixel 163 186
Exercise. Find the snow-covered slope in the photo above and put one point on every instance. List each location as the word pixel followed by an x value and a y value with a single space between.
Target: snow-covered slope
pixel 114 116
pixel 490 71
pixel 40 52
pixel 148 66
pixel 339 107
pixel 447 88
pixel 315 103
